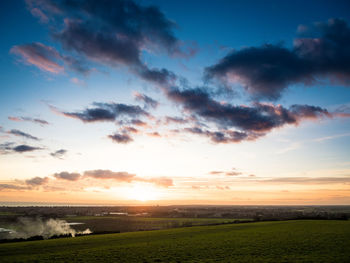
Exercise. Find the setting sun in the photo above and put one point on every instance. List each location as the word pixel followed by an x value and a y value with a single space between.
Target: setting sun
pixel 142 193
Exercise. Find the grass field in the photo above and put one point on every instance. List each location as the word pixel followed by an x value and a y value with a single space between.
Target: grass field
pixel 283 241
pixel 128 224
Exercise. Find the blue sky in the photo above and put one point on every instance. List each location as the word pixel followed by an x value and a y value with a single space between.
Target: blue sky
pixel 91 70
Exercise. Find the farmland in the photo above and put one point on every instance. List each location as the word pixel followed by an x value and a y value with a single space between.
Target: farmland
pixel 280 241
pixel 113 224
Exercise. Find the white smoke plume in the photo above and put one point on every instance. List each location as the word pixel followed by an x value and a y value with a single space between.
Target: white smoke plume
pixel 29 227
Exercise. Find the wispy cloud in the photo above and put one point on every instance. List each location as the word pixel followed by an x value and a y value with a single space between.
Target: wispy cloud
pixel 23 134
pixel 29 119
pixel 59 153
pixel 10 147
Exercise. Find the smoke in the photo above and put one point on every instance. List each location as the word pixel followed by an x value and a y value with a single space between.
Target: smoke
pixel 29 227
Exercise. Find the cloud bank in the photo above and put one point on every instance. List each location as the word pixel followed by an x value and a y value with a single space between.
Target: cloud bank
pixel 266 71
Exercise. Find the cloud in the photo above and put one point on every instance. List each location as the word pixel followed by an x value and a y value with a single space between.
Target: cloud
pixel 67 176
pixel 221 136
pixel 266 71
pixel 9 147
pixel 66 181
pixel 38 13
pixel 127 177
pixel 129 129
pixel 29 119
pixel 37 54
pixel 249 122
pixel 124 113
pixel 162 77
pixel 29 184
pixel 216 172
pixel 114 33
pixel 12 187
pixel 308 180
pixel 23 134
pixel 233 173
pixel 148 101
pixel 137 122
pixel 160 181
pixel 59 153
pixel 107 174
pixel 176 120
pixel 154 134
pixel 37 181
pixel 107 112
pixel 25 148
pixel 120 138
pixel 47 58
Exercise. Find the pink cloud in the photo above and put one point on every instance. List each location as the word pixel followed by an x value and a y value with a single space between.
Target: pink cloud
pixel 39 55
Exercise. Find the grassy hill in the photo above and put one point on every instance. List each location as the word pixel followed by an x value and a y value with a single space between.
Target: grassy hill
pixel 284 241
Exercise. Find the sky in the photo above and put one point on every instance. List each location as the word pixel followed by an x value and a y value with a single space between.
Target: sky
pixel 175 102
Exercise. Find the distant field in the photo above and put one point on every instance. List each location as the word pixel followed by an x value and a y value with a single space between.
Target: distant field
pixel 284 241
pixel 128 223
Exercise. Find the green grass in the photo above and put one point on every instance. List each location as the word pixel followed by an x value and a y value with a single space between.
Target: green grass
pixel 285 241
pixel 137 218
pixel 9 214
pixel 128 224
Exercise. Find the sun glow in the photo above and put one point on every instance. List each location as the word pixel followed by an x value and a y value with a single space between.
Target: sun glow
pixel 142 193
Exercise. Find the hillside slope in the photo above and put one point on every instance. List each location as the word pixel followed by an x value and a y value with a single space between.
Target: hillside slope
pixel 287 241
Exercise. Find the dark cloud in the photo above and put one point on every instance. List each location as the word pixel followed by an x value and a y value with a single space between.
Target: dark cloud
pixel 148 101
pixel 59 153
pixel 120 138
pixel 9 147
pixel 114 32
pixel 23 134
pixel 224 136
pixel 25 148
pixel 107 112
pixel 137 122
pixel 250 122
pixel 34 120
pixel 37 181
pixel 122 113
pixel 176 120
pixel 162 77
pixel 129 129
pixel 67 176
pixel 107 174
pixel 308 112
pixel 266 71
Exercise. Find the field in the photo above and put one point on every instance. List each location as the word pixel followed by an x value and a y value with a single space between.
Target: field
pixel 282 241
pixel 104 224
